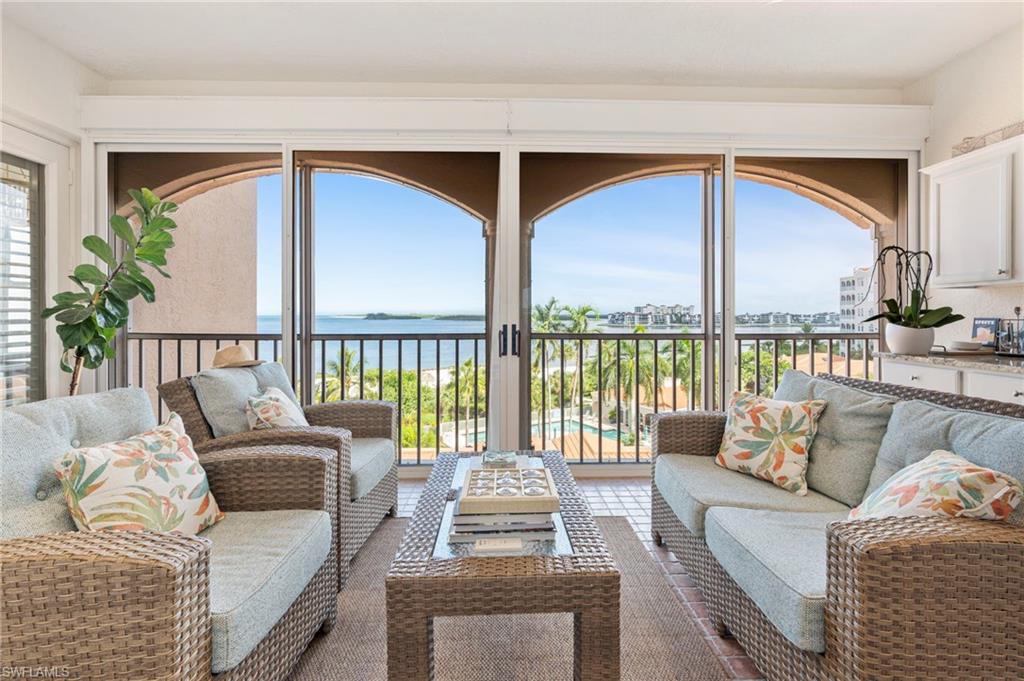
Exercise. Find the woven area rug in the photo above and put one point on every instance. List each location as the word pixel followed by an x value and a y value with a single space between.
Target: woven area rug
pixel 659 641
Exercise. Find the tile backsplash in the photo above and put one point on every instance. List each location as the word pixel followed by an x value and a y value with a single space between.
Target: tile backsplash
pixel 990 301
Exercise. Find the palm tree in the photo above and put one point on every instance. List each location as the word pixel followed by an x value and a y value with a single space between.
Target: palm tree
pixel 466 394
pixel 636 368
pixel 579 322
pixel 546 318
pixel 684 360
pixel 333 376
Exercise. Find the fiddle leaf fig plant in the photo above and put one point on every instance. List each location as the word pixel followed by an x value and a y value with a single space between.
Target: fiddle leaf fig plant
pixel 90 316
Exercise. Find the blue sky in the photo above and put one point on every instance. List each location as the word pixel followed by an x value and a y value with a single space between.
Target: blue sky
pixel 382 247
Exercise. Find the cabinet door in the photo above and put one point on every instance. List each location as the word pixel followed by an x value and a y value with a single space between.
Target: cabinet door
pixel 1002 387
pixel 921 376
pixel 971 220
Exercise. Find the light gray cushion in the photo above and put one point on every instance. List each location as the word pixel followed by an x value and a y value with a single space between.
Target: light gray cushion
pixel 272 375
pixel 850 431
pixel 222 393
pixel 33 436
pixel 918 428
pixel 372 458
pixel 693 484
pixel 780 560
pixel 259 564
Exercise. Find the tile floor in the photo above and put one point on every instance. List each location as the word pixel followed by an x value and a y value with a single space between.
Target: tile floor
pixel 631 498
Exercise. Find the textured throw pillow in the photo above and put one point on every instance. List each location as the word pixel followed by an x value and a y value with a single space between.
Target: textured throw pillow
pixel 769 439
pixel 943 484
pixel 152 481
pixel 273 409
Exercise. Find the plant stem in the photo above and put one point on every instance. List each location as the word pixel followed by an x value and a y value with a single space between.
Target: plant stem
pixel 76 374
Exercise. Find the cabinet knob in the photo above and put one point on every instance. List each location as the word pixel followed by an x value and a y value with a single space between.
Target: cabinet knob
pixel 1018 393
pixel 1000 271
pixel 914 377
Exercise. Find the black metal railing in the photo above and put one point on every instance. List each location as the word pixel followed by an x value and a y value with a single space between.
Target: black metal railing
pixel 439 381
pixel 592 394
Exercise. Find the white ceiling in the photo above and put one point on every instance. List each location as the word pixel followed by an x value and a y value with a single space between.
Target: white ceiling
pixel 766 44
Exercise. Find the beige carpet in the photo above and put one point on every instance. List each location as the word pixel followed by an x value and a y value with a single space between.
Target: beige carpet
pixel 659 640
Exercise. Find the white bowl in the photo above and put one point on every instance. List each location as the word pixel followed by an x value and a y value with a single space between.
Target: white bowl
pixel 965 345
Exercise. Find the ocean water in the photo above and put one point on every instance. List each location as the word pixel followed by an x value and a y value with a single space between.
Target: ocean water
pixel 430 356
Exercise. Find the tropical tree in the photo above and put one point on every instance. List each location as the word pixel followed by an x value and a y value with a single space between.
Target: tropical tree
pixel 546 318
pixel 684 360
pixel 340 382
pixel 636 369
pixel 579 322
pixel 472 384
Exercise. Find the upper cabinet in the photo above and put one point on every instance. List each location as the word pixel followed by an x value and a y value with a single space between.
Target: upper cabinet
pixel 975 216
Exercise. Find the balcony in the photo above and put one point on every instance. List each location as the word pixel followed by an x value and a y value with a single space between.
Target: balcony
pixel 592 395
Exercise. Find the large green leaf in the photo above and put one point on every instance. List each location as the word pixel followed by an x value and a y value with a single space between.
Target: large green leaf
pixel 161 223
pixel 100 248
pixel 145 198
pixel 933 317
pixel 76 335
pixel 158 239
pixel 70 297
pixel 124 287
pixel 949 320
pixel 90 274
pixel 154 255
pixel 123 229
pixel 75 315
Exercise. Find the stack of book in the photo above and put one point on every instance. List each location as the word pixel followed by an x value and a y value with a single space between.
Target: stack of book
pixel 524 526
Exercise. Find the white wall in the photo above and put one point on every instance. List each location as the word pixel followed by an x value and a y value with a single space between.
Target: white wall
pixel 979 91
pixel 41 84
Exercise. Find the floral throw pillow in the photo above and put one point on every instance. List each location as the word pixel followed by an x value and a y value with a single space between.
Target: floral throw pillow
pixel 152 481
pixel 943 484
pixel 769 439
pixel 273 409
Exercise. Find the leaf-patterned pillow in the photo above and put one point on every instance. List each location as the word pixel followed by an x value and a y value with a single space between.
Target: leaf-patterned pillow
pixel 769 439
pixel 273 409
pixel 152 481
pixel 943 484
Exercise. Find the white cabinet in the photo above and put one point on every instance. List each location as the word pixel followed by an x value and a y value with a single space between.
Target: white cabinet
pixel 1002 387
pixel 975 216
pixel 921 376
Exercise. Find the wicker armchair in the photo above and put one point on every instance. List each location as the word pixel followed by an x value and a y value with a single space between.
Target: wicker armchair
pixel 333 426
pixel 906 598
pixel 126 605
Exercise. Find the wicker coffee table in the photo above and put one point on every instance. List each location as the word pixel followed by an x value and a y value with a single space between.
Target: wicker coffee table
pixel 430 578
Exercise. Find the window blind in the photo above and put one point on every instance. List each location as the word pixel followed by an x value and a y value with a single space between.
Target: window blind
pixel 21 281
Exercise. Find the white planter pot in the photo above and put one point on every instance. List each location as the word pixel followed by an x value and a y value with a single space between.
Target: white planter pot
pixel 904 340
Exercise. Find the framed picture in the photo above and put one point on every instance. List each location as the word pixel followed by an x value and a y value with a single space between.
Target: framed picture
pixel 986 330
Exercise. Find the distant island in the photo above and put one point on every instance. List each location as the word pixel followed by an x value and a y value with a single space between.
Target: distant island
pixel 381 316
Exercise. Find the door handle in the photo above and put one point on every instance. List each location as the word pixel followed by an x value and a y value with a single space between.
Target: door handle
pixel 515 341
pixel 503 340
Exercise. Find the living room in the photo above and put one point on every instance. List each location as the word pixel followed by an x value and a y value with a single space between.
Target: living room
pixel 512 340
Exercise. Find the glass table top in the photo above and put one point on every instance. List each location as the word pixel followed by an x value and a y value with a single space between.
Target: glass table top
pixel 561 545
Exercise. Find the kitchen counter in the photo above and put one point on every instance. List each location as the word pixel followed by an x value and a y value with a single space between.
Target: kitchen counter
pixel 993 363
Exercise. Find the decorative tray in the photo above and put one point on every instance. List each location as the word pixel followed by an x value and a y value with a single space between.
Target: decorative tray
pixel 519 490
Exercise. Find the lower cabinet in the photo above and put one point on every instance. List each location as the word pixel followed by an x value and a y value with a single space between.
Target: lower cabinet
pixel 1002 387
pixel 989 385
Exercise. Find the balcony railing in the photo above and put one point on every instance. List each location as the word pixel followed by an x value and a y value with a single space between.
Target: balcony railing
pixel 591 395
pixel 441 408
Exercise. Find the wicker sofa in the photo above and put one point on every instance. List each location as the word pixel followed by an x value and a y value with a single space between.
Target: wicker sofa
pixel 810 595
pixel 240 601
pixel 362 433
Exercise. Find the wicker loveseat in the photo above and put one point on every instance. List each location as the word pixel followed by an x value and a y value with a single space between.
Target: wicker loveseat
pixel 363 434
pixel 810 595
pixel 240 601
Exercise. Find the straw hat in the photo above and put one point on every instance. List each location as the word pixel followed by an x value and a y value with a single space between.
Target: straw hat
pixel 234 356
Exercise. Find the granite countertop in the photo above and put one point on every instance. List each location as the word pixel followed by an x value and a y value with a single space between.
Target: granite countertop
pixel 993 363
